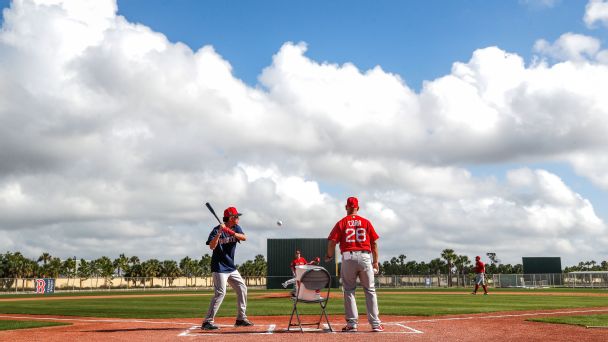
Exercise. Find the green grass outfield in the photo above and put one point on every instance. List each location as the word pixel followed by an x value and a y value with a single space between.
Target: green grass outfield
pixel 585 321
pixel 13 325
pixel 391 301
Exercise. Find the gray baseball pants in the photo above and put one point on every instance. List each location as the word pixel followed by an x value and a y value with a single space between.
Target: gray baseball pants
pixel 480 279
pixel 219 285
pixel 359 264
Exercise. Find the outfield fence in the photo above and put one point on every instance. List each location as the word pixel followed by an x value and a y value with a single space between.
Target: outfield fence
pixel 572 280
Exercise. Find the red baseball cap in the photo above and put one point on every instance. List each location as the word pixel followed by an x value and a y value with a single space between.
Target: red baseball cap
pixel 231 211
pixel 477 257
pixel 352 202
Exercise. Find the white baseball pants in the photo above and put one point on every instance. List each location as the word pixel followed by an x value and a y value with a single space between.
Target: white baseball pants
pixel 359 264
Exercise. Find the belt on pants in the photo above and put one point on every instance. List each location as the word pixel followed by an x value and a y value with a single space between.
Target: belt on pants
pixel 356 252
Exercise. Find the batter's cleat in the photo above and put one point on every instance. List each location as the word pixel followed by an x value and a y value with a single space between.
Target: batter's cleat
pixel 243 323
pixel 349 328
pixel 473 293
pixel 209 326
pixel 485 294
pixel 378 328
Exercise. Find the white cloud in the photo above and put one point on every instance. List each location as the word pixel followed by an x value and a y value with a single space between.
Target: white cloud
pixel 596 11
pixel 112 140
pixel 570 47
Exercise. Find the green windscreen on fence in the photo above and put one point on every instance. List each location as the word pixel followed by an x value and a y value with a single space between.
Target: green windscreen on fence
pixel 538 265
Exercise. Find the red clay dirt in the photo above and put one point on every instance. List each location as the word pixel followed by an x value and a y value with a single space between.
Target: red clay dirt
pixel 503 326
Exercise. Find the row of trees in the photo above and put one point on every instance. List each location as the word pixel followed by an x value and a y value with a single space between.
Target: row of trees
pixel 590 265
pixel 16 265
pixel 448 263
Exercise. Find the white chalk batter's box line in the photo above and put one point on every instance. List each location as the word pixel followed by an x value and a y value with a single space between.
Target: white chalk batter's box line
pixel 272 329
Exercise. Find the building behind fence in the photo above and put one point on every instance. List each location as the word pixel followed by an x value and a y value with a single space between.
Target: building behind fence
pixel 588 279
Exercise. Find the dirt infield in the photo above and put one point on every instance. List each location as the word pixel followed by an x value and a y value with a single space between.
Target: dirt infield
pixel 498 326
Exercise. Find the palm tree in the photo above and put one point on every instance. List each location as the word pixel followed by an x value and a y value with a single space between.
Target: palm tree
pixel 402 258
pixel 68 268
pixel 106 270
pixel 260 267
pixel 135 269
pixel 169 271
pixel 592 263
pixel 45 258
pixel 435 267
pixel 121 263
pixel 54 267
pixel 134 272
pixel 134 260
pixel 17 267
pixel 185 266
pixel 84 271
pixel 461 262
pixel 151 269
pixel 205 266
pixel 95 271
pixel 449 256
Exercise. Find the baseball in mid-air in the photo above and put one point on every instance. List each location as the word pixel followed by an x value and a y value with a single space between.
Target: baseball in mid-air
pixel 279 223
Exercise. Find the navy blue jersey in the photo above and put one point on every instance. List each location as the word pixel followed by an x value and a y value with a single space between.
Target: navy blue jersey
pixel 222 259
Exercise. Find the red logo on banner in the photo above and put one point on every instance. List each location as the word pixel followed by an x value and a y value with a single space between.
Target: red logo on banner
pixel 40 285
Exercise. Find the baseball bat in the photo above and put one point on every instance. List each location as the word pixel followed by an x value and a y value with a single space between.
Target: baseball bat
pixel 208 205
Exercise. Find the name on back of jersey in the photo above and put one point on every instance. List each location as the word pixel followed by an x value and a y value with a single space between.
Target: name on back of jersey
pixel 353 223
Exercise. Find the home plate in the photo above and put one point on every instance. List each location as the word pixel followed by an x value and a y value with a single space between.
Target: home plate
pixel 225 329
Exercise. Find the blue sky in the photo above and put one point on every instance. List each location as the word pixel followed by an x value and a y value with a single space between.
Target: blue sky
pixel 483 127
pixel 419 40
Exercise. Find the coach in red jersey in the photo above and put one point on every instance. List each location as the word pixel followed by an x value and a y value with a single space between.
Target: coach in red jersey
pixel 357 239
pixel 299 260
pixel 480 276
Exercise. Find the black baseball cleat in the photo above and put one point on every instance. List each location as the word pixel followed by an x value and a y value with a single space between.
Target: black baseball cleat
pixel 243 323
pixel 209 326
pixel 350 328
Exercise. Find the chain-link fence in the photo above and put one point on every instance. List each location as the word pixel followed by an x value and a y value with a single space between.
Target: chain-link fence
pixel 573 280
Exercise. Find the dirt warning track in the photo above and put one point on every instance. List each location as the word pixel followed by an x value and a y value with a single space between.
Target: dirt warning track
pixel 497 326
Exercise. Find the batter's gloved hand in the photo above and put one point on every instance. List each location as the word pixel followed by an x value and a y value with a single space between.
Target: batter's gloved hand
pixel 228 231
pixel 317 260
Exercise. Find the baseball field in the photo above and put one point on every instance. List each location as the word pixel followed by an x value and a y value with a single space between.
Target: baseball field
pixel 408 314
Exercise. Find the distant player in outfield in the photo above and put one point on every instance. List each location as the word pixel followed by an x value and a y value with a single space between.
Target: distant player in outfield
pixel 357 239
pixel 222 240
pixel 480 276
pixel 298 261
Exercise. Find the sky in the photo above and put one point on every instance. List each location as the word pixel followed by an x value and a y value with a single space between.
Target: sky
pixel 478 126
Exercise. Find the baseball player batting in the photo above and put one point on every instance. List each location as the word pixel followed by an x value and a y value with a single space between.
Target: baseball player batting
pixel 223 240
pixel 357 239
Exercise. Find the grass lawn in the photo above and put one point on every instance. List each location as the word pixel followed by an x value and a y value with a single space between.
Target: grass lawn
pixel 586 321
pixel 13 325
pixel 390 302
